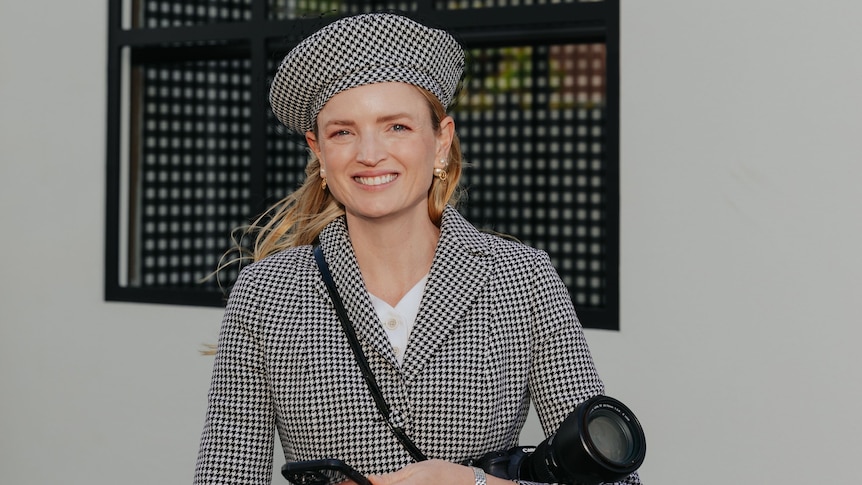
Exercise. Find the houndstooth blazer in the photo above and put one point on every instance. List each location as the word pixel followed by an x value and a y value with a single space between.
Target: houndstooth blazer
pixel 496 328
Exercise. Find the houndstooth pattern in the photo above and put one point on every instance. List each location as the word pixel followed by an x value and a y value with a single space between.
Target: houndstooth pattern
pixel 359 50
pixel 495 328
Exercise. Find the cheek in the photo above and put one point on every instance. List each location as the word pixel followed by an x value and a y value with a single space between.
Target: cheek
pixel 421 153
pixel 332 156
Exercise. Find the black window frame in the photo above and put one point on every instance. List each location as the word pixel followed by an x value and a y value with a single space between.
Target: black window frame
pixel 597 21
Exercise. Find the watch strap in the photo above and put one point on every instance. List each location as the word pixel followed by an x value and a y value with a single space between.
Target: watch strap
pixel 479 473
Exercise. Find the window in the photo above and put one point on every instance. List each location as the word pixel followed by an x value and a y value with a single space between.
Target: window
pixel 194 152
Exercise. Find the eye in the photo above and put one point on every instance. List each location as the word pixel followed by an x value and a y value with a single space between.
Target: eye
pixel 399 127
pixel 339 133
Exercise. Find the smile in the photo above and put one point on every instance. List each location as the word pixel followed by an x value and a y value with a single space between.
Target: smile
pixel 379 180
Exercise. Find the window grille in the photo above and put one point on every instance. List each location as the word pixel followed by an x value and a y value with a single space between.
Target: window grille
pixel 194 152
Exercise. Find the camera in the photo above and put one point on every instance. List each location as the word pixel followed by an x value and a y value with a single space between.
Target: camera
pixel 600 441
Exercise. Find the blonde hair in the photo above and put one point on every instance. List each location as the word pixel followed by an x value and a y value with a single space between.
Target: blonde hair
pixel 299 218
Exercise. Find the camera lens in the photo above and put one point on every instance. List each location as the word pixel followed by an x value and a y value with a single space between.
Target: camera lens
pixel 611 436
pixel 600 442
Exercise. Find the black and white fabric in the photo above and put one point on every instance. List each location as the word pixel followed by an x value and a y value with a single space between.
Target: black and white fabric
pixel 495 329
pixel 359 50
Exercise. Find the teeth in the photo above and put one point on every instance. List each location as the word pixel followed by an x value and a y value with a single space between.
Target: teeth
pixel 379 180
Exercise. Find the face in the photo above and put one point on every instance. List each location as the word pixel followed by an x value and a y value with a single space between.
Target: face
pixel 378 150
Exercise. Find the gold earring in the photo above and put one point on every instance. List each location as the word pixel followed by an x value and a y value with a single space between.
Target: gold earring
pixel 441 173
pixel 322 184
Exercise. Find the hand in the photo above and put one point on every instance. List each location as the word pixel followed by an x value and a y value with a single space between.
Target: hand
pixel 430 472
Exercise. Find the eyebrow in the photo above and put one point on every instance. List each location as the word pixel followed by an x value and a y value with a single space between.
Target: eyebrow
pixel 382 119
pixel 395 116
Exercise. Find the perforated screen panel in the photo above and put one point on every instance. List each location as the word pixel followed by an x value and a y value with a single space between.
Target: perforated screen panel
pixel 462 4
pixel 532 121
pixel 203 155
pixel 166 13
pixel 291 9
pixel 286 160
pixel 190 175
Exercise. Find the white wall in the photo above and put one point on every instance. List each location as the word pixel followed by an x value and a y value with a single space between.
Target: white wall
pixel 740 267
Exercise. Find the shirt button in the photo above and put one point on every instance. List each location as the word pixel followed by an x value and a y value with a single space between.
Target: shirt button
pixel 397 349
pixel 391 324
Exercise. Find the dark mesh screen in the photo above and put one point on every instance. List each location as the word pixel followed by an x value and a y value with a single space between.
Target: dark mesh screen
pixel 205 155
pixel 190 181
pixel 291 9
pixel 154 13
pixel 532 125
pixel 462 4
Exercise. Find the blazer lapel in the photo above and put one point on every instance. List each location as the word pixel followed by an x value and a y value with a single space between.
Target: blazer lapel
pixel 459 272
pixel 338 251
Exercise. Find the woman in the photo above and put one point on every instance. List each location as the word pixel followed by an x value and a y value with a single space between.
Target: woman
pixel 461 329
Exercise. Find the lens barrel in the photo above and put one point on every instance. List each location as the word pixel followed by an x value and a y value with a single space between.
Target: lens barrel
pixel 602 441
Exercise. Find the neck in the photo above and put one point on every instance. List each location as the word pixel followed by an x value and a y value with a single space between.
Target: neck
pixel 393 255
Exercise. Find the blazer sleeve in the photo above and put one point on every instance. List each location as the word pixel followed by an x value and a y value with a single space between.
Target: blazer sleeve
pixel 237 440
pixel 562 372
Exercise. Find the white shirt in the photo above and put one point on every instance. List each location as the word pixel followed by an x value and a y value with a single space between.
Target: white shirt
pixel 399 321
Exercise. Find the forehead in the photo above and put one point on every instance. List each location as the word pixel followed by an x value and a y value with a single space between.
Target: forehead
pixel 374 100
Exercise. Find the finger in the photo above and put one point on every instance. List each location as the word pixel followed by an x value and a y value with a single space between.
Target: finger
pixel 378 480
pixel 388 478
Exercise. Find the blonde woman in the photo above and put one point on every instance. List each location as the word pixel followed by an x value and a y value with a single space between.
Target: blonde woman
pixel 461 329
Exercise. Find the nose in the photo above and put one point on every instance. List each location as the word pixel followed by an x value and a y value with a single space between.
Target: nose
pixel 371 150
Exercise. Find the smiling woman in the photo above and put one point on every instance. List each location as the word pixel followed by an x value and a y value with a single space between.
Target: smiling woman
pixel 460 328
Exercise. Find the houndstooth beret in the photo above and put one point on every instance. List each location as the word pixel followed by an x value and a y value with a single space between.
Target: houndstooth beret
pixel 359 50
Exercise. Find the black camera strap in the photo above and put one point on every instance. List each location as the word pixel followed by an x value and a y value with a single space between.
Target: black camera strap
pixel 361 360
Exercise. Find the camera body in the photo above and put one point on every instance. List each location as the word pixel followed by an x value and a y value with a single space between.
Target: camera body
pixel 601 441
pixel 505 464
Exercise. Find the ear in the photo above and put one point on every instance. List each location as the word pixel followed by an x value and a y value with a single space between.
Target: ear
pixel 311 139
pixel 445 137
